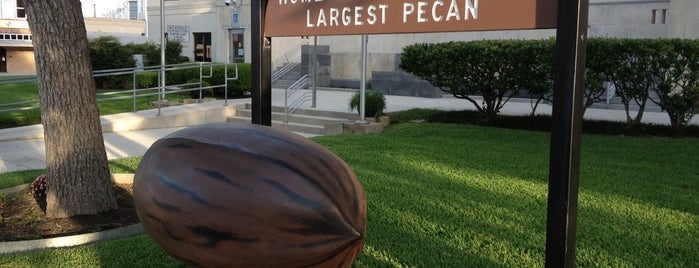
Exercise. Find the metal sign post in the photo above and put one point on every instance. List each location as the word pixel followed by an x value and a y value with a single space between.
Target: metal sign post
pixel 261 91
pixel 337 17
pixel 564 162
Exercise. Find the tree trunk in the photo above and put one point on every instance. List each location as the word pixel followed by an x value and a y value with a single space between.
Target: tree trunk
pixel 76 160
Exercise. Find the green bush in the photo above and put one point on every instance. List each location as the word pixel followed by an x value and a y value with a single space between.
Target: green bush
pixel 375 103
pixel 147 79
pixel 236 88
pixel 497 69
pixel 106 53
pixel 676 76
pixel 151 52
pixel 488 68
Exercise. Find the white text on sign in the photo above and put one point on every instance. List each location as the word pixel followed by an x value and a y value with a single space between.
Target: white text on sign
pixel 421 11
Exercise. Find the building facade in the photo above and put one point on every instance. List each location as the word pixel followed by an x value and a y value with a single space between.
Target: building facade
pixel 209 30
pixel 17 51
pixel 219 30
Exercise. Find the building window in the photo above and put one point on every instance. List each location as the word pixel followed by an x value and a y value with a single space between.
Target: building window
pixel 662 13
pixel 663 16
pixel 202 47
pixel 133 10
pixel 20 9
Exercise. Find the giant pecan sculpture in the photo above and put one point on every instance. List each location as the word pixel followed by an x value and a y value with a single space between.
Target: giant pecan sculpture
pixel 249 196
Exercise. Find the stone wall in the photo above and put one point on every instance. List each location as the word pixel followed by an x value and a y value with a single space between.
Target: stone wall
pixel 403 84
pixel 323 60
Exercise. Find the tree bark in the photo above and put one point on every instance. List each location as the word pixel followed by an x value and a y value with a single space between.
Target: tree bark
pixel 76 161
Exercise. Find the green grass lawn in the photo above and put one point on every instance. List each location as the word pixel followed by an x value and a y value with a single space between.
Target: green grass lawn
pixel 29 92
pixel 446 195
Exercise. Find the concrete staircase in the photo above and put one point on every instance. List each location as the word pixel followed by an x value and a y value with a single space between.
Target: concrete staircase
pixel 290 77
pixel 307 122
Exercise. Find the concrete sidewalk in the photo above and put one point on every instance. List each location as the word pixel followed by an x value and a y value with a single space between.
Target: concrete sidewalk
pixel 131 134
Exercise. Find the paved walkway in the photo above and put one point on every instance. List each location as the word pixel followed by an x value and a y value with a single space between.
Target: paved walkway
pixel 29 153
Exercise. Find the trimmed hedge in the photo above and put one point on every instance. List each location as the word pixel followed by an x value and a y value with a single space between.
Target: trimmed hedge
pixel 664 71
pixel 147 79
pixel 107 53
pixel 236 88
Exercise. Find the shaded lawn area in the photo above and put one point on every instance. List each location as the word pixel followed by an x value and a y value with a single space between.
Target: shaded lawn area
pixel 28 92
pixel 445 195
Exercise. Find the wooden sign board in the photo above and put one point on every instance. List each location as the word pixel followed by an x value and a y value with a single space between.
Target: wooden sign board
pixel 345 17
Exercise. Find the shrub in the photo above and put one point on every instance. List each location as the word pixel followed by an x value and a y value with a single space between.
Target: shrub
pixel 151 52
pixel 375 103
pixel 242 85
pixel 497 69
pixel 236 88
pixel 39 186
pixel 194 94
pixel 106 53
pixel 676 76
pixel 147 79
pixel 488 68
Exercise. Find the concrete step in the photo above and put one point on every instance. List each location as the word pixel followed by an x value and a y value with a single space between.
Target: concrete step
pixel 313 112
pixel 308 122
pixel 297 118
pixel 305 130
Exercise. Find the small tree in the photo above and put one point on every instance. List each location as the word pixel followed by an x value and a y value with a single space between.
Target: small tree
pixel 676 76
pixel 535 70
pixel 595 74
pixel 464 69
pixel 628 62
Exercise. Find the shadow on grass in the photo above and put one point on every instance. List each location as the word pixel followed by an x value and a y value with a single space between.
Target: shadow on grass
pixel 433 219
pixel 492 185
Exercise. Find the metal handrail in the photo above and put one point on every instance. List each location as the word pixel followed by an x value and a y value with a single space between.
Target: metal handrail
pixel 295 104
pixel 284 59
pixel 18 79
pixel 285 63
pixel 283 71
pixel 137 92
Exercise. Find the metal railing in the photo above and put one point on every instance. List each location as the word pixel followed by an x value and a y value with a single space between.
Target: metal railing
pixel 290 108
pixel 135 92
pixel 287 62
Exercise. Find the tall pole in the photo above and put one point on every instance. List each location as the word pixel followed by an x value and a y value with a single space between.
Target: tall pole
pixel 261 91
pixel 163 44
pixel 314 63
pixel 362 86
pixel 564 162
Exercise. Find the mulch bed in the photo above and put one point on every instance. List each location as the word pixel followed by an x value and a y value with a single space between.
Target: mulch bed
pixel 23 217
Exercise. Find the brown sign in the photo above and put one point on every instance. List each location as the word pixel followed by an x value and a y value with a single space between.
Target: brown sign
pixel 341 17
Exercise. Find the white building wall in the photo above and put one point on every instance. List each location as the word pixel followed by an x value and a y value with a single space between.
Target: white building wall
pixel 607 18
pixel 684 19
pixel 631 19
pixel 384 50
pixel 201 16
